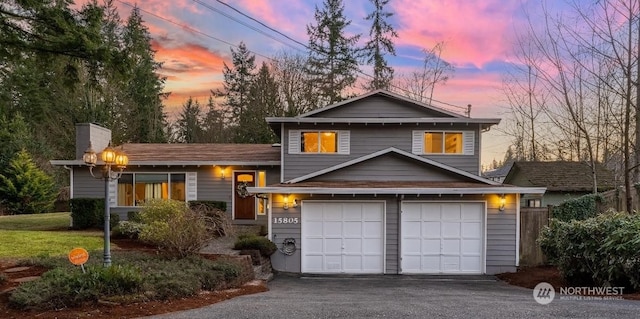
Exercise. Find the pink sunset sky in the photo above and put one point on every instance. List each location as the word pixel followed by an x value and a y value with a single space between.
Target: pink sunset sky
pixel 478 38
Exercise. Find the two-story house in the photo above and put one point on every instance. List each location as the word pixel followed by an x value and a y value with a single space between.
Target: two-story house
pixel 376 184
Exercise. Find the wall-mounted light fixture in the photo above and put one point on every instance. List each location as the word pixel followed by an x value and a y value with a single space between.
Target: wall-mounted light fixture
pixel 295 203
pixel 503 201
pixel 286 202
pixel 222 169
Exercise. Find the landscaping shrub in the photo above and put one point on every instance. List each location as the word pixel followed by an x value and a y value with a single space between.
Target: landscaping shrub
pixel 60 288
pixel 211 204
pixel 135 277
pixel 217 221
pixel 87 212
pixel 579 208
pixel 134 216
pixel 264 245
pixel 171 225
pixel 128 229
pixel 603 250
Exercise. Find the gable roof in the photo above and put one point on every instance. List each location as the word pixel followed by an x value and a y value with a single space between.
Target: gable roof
pixel 315 116
pixel 501 171
pixel 560 176
pixel 427 161
pixel 195 154
pixel 386 94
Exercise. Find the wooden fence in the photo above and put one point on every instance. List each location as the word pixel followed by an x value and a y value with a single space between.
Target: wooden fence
pixel 532 220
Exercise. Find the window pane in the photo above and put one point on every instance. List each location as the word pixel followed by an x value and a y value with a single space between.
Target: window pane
pixel 433 142
pixel 178 187
pixel 309 142
pixel 151 186
pixel 125 190
pixel 453 143
pixel 328 142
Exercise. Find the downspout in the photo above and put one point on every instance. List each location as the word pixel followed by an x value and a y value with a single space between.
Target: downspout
pixel 399 238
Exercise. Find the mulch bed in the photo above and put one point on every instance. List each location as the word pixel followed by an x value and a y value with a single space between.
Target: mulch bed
pixel 110 310
pixel 529 277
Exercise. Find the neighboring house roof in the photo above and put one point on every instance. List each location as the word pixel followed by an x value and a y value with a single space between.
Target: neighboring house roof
pixel 195 154
pixel 499 172
pixel 560 176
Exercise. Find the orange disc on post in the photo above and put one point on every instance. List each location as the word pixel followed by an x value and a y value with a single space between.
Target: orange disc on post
pixel 78 256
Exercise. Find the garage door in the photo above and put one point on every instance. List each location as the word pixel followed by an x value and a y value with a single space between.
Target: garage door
pixel 442 238
pixel 342 237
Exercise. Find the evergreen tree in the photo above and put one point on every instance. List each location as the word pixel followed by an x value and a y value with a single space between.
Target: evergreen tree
pixel 263 101
pixel 333 59
pixel 214 124
pixel 380 43
pixel 189 126
pixel 14 136
pixel 145 119
pixel 24 188
pixel 237 80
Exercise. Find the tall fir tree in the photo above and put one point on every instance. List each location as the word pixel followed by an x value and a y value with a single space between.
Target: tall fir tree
pixel 146 121
pixel 380 44
pixel 333 62
pixel 238 79
pixel 189 124
pixel 263 101
pixel 25 188
pixel 215 123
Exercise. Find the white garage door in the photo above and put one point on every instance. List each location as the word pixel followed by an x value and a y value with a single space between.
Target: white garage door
pixel 342 237
pixel 442 238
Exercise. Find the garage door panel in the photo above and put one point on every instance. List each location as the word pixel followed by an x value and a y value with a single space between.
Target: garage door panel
pixel 430 230
pixel 450 238
pixel 471 246
pixel 351 236
pixel 450 229
pixel 430 246
pixel 451 246
pixel 332 229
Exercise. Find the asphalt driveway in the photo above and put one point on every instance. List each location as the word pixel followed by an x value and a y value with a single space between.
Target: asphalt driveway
pixel 403 297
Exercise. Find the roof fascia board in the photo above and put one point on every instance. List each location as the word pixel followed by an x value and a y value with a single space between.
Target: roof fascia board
pixel 383 120
pixel 174 163
pixel 396 191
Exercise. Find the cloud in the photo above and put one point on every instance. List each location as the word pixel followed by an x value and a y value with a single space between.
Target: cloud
pixel 474 31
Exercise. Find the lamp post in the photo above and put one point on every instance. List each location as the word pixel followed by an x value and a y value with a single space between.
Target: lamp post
pixel 111 158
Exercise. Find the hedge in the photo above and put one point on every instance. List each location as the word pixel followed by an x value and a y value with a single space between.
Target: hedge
pixel 603 250
pixel 89 213
pixel 579 208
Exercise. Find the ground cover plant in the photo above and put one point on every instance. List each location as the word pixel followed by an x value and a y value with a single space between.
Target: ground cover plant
pixel 134 277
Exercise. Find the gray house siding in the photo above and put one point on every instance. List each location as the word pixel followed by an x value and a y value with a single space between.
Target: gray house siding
pixel 367 139
pixel 500 235
pixel 380 107
pixel 210 185
pixel 389 167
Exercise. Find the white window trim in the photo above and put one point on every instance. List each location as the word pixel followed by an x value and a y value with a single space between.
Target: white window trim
pixel 468 142
pixel 343 142
pixel 113 186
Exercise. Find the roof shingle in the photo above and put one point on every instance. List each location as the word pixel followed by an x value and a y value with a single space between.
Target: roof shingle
pixel 177 152
pixel 560 176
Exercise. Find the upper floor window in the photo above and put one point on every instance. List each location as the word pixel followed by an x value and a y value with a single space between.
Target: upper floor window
pixel 319 142
pixel 443 142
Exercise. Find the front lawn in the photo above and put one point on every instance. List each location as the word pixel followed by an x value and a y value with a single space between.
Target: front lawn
pixel 43 234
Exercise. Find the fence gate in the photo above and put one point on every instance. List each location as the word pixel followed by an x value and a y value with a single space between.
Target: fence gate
pixel 532 220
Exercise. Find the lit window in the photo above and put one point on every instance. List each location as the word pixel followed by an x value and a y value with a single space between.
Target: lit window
pixel 443 143
pixel 136 189
pixel 319 142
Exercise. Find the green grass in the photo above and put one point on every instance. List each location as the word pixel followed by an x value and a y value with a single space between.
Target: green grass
pixel 52 221
pixel 23 236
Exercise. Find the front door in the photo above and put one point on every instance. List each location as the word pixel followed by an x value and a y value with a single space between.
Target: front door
pixel 244 205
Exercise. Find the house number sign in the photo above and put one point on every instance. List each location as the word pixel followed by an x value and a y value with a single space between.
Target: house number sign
pixel 286 220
